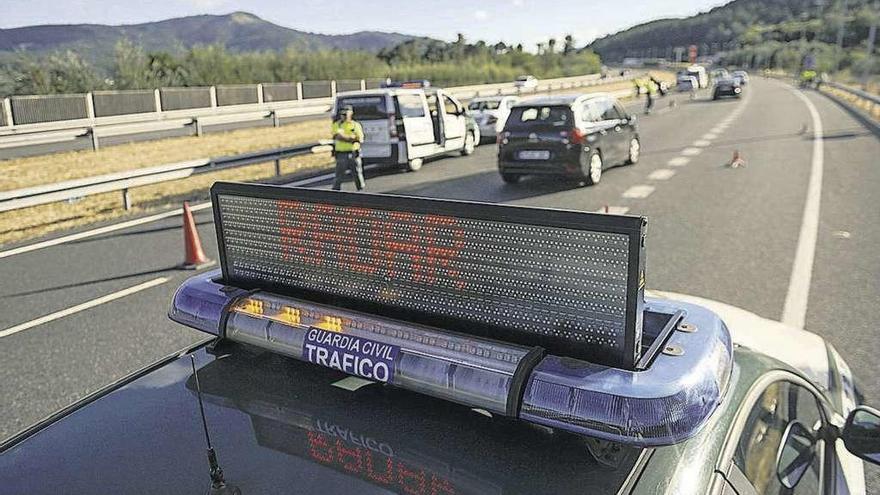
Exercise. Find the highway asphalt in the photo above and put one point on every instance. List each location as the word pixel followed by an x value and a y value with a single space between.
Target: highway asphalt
pixel 729 234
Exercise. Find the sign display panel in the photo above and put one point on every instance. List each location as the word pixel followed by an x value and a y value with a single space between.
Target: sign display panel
pixel 568 281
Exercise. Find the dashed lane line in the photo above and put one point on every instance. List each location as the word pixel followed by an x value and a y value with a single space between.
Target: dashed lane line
pixel 82 307
pixel 638 192
pixel 661 174
pixel 679 161
pixel 702 143
pixel 710 136
pixel 691 151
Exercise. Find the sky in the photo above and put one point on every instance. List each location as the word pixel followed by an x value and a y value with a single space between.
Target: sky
pixel 511 21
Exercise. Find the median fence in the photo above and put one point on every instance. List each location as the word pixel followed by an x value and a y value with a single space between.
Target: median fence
pixel 22 110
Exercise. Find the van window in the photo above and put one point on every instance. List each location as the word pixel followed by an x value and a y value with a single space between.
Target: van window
pixel 449 106
pixel 410 105
pixel 365 107
pixel 609 111
pixel 486 104
pixel 540 116
pixel 592 111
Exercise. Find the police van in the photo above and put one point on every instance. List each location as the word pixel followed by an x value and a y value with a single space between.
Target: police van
pixel 404 126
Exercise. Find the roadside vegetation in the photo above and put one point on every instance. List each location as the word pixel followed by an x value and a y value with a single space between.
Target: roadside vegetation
pixel 443 63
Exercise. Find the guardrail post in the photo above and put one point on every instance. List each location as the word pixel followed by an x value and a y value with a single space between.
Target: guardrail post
pixel 198 126
pixel 126 199
pixel 363 85
pixel 299 91
pixel 158 100
pixel 90 106
pixel 276 122
pixel 7 112
pixel 94 135
pixel 213 92
pixel 260 93
pixel 277 167
pixel 333 88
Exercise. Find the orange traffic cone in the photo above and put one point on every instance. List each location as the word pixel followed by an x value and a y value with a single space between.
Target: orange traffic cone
pixel 195 256
pixel 737 160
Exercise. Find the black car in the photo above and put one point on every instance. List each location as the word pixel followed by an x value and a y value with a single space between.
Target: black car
pixel 726 87
pixel 571 135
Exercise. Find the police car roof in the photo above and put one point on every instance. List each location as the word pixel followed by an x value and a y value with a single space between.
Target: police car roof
pixel 559 99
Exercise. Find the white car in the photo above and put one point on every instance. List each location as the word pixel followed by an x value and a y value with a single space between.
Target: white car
pixel 526 82
pixel 491 112
pixel 741 76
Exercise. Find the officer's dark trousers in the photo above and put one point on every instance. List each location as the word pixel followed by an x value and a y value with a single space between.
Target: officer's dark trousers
pixel 349 162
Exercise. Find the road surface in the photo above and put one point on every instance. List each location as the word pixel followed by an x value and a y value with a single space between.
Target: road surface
pixel 743 236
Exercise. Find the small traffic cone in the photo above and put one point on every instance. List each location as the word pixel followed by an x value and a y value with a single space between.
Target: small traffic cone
pixel 737 160
pixel 195 256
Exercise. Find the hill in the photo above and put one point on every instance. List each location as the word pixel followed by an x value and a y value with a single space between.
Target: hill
pixel 738 23
pixel 238 32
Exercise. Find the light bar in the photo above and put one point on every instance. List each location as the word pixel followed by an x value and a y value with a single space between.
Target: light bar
pixel 669 400
pixel 570 282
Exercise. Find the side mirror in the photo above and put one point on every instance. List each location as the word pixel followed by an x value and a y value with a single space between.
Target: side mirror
pixel 795 454
pixel 861 434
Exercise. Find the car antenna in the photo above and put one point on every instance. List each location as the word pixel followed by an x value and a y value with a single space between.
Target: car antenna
pixel 218 483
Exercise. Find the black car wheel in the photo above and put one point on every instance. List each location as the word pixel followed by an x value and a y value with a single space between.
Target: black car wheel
pixel 591 167
pixel 510 178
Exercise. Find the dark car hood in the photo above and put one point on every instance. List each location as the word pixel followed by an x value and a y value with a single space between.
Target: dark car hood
pixel 281 426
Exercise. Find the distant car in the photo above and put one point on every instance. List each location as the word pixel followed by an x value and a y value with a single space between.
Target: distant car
pixel 726 87
pixel 490 113
pixel 577 136
pixel 526 82
pixel 686 84
pixel 741 76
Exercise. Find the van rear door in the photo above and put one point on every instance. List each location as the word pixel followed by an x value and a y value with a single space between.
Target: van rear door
pixel 412 109
pixel 375 115
pixel 453 121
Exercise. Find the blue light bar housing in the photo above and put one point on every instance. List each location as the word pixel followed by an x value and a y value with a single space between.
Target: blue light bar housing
pixel 665 401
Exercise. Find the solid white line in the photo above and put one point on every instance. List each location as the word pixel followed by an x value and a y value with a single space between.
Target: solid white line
pixel 614 210
pixel 82 307
pixel 640 191
pixel 101 230
pixel 679 161
pixel 794 312
pixel 661 174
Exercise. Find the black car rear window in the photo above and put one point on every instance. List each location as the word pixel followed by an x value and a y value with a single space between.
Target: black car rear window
pixel 540 116
pixel 366 107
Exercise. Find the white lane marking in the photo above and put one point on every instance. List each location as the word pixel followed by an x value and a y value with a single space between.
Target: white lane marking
pixel 640 191
pixel 101 230
pixel 614 210
pixel 710 136
pixel 82 307
pixel 691 151
pixel 661 174
pixel 718 129
pixel 131 223
pixel 679 161
pixel 794 312
pixel 702 143
pixel 352 383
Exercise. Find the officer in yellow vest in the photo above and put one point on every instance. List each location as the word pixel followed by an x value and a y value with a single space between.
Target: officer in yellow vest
pixel 347 138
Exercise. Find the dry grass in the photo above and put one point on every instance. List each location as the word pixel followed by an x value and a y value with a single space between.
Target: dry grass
pixel 45 219
pixel 47 169
pixel 865 105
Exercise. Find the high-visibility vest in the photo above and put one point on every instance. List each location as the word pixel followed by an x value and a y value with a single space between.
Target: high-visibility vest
pixel 349 129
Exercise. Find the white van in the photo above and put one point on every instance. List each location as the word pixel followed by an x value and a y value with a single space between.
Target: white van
pixel 402 127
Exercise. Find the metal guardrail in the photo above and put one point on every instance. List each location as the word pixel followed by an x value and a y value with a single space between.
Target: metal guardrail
pixel 123 181
pixel 874 99
pixel 167 119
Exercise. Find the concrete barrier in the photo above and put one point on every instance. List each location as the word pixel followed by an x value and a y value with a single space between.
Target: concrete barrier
pixel 48 108
pixel 185 98
pixel 107 103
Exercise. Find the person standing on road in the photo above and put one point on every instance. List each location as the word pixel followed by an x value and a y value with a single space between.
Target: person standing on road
pixel 347 138
pixel 650 93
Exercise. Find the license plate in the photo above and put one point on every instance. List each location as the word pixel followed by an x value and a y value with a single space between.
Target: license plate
pixel 534 155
